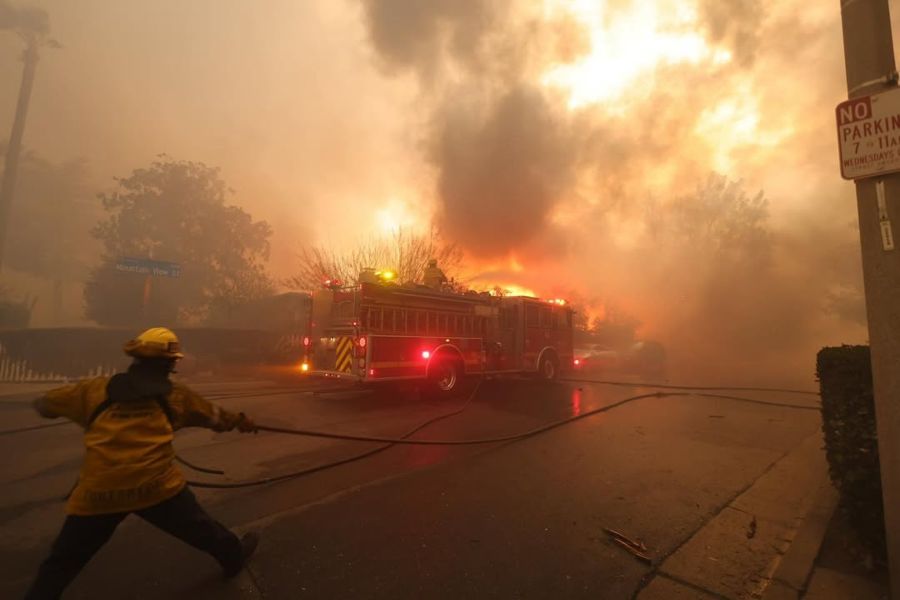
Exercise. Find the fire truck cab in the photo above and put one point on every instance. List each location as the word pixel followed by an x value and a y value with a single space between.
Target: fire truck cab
pixel 387 332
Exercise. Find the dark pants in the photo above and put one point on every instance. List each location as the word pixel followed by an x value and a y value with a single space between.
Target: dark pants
pixel 81 537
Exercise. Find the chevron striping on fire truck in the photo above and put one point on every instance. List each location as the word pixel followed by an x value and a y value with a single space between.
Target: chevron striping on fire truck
pixel 343 354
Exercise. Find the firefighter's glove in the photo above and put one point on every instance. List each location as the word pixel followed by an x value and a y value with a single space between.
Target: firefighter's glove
pixel 245 424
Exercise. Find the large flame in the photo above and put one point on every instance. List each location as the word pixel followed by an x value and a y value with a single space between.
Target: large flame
pixel 511 289
pixel 638 39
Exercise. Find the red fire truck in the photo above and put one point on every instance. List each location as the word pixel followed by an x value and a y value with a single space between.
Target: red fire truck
pixel 387 332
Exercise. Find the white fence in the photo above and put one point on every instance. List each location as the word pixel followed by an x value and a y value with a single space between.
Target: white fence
pixel 18 371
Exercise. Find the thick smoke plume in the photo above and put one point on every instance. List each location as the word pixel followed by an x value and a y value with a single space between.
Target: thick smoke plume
pixel 501 173
pixel 607 150
pixel 737 23
pixel 504 148
pixel 620 200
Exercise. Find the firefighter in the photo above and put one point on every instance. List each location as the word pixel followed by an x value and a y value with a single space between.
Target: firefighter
pixel 128 421
pixel 434 277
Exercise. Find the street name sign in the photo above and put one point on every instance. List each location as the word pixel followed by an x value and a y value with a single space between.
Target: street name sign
pixel 146 266
pixel 869 135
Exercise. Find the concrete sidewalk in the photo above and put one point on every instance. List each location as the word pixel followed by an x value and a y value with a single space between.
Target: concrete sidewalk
pixel 755 538
pixel 765 543
pixel 801 574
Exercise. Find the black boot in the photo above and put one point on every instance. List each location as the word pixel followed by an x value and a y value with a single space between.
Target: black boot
pixel 249 541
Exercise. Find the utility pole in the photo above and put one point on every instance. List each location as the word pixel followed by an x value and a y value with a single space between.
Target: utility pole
pixel 30 58
pixel 869 58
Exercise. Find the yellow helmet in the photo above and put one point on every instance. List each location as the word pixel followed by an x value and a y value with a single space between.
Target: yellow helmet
pixel 157 342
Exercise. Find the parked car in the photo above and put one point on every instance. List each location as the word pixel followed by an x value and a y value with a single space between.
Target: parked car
pixel 644 358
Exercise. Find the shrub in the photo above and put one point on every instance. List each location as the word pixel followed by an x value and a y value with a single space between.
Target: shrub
pixel 851 439
pixel 14 314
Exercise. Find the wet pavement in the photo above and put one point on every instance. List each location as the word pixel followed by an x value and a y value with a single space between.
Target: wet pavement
pixel 516 519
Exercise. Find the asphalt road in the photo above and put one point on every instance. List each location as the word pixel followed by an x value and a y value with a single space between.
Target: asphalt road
pixel 519 519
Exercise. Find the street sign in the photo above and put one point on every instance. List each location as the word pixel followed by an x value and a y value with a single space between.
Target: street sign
pixel 146 266
pixel 869 135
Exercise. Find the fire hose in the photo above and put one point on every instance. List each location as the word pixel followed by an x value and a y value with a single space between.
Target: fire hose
pixel 403 440
pixel 332 464
pixel 388 442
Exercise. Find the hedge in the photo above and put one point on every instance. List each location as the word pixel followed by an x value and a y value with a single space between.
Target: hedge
pixel 14 314
pixel 851 439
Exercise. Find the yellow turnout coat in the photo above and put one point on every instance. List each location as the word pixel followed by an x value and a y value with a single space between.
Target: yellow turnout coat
pixel 129 460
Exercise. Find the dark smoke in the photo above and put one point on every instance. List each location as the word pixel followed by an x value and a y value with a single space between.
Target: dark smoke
pixel 502 172
pixel 420 35
pixel 504 148
pixel 617 200
pixel 26 20
pixel 737 23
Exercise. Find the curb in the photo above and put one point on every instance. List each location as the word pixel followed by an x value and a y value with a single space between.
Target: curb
pixel 795 568
pixel 8 389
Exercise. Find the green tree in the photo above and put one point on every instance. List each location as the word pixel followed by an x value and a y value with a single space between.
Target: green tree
pixel 176 211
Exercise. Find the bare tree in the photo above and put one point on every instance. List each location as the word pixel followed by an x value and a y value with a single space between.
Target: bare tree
pixel 406 254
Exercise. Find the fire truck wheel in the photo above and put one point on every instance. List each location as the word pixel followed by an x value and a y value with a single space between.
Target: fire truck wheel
pixel 445 377
pixel 548 370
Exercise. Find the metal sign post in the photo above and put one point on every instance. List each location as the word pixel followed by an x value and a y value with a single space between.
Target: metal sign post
pixel 149 268
pixel 873 161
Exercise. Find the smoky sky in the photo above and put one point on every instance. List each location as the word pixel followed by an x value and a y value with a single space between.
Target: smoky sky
pixel 501 172
pixel 417 35
pixel 26 20
pixel 508 152
pixel 504 148
pixel 519 172
pixel 736 22
pixel 323 115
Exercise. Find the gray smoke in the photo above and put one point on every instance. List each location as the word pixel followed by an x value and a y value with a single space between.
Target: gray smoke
pixel 504 149
pixel 733 296
pixel 25 20
pixel 736 23
pixel 420 35
pixel 502 171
